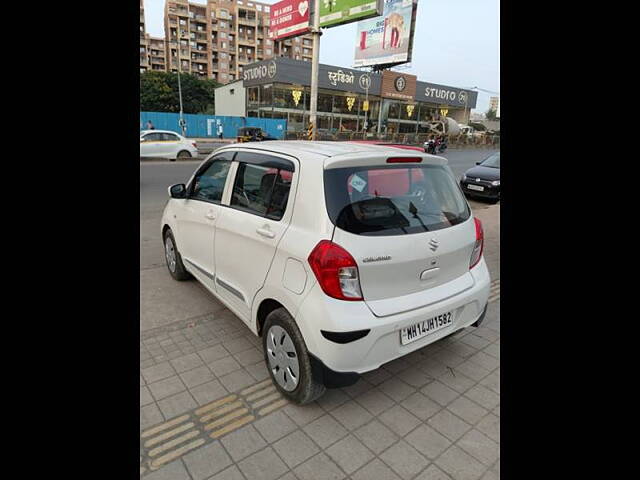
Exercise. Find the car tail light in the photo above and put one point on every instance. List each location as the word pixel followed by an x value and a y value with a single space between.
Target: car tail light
pixel 336 271
pixel 476 255
pixel 404 160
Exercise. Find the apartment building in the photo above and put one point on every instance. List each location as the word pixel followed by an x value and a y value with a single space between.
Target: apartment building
pixel 144 55
pixel 216 40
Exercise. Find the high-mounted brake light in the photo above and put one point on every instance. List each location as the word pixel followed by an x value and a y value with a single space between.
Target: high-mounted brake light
pixel 336 271
pixel 476 255
pixel 404 159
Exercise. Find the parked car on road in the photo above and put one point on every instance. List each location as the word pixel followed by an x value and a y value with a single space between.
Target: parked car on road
pixel 484 179
pixel 341 256
pixel 166 144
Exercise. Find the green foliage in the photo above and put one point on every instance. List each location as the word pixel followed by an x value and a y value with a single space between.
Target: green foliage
pixel 491 114
pixel 159 93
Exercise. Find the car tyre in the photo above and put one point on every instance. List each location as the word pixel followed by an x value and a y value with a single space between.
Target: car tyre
pixel 173 258
pixel 284 348
pixel 184 154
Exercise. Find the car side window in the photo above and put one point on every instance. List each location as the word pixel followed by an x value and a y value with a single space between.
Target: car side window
pixel 262 189
pixel 151 137
pixel 208 185
pixel 170 137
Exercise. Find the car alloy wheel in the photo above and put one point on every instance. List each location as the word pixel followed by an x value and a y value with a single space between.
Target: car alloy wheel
pixel 283 358
pixel 170 254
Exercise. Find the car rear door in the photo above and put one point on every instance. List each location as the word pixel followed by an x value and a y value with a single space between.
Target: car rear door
pixel 407 226
pixel 196 220
pixel 248 231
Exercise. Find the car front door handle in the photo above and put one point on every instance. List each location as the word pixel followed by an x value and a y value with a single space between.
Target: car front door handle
pixel 265 232
pixel 210 215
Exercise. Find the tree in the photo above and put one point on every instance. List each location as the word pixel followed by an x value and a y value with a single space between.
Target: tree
pixel 159 93
pixel 491 114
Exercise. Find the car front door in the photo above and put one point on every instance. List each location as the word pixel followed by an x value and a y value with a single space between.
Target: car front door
pixel 248 232
pixel 196 220
pixel 150 145
pixel 169 145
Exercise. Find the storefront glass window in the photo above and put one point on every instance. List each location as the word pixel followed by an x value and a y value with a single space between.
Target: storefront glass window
pixel 252 95
pixel 266 95
pixel 408 108
pixel 325 102
pixel 349 125
pixel 295 122
pixel 280 97
pixel 324 122
pixel 394 110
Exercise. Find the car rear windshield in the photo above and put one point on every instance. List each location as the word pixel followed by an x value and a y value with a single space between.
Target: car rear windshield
pixel 394 199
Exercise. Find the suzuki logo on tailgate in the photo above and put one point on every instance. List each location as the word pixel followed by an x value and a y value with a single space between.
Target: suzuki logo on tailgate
pixel 434 244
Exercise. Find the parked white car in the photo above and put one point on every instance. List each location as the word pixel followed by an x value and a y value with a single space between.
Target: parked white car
pixel 341 256
pixel 166 144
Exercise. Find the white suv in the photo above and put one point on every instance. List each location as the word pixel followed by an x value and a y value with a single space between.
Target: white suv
pixel 342 256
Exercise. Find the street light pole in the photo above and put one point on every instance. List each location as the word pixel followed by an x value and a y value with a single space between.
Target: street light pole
pixel 181 121
pixel 315 29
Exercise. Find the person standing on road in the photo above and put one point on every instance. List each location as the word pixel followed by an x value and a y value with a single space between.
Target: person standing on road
pixel 220 131
pixel 150 125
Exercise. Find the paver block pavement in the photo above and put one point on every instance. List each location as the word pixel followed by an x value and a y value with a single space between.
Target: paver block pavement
pixel 243 442
pixel 405 460
pixel 207 461
pixel 376 436
pixel 325 431
pixel 295 448
pixel 350 454
pixel 319 467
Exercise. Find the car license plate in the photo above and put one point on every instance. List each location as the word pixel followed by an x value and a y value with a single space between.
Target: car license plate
pixel 475 187
pixel 427 327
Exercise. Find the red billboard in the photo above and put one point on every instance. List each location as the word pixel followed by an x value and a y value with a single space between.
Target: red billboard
pixel 289 18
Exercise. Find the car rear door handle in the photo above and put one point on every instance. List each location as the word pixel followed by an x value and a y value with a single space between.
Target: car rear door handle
pixel 265 232
pixel 211 215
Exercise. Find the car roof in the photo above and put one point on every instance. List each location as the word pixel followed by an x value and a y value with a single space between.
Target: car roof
pixel 304 149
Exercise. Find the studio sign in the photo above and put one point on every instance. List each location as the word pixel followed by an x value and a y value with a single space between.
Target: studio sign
pixel 341 77
pixel 444 94
pixel 261 71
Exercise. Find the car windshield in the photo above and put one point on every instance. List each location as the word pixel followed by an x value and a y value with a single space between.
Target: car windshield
pixel 393 200
pixel 493 161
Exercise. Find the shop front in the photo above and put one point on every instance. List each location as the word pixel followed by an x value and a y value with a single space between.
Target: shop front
pixel 349 100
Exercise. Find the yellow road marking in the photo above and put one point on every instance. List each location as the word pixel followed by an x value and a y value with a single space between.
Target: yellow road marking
pixel 164 426
pixel 232 426
pixel 176 441
pixel 169 434
pixel 226 418
pixel 273 406
pixel 158 462
pixel 266 400
pixel 215 404
pixel 255 387
pixel 227 408
pixel 261 393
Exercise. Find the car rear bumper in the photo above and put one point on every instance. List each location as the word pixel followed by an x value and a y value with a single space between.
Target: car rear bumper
pixel 382 343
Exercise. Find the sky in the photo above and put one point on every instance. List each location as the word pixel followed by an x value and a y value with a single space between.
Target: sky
pixel 456 43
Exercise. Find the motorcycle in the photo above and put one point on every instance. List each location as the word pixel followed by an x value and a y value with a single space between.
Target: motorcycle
pixel 442 146
pixel 430 147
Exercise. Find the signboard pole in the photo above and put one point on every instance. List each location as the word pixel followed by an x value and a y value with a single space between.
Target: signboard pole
pixel 315 67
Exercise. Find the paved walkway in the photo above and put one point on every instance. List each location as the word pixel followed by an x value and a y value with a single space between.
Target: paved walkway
pixel 208 410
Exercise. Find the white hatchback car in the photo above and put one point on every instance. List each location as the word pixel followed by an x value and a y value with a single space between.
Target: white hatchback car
pixel 342 256
pixel 166 144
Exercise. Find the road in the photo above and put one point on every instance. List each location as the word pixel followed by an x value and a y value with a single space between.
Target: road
pixel 208 407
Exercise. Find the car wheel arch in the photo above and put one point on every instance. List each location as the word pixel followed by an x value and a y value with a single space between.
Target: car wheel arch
pixel 266 306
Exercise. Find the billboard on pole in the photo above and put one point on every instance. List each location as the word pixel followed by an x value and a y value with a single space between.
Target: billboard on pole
pixel 288 18
pixel 387 40
pixel 339 12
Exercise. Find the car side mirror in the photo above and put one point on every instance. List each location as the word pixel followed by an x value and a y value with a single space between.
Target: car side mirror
pixel 178 190
pixel 477 163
